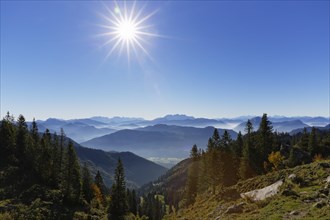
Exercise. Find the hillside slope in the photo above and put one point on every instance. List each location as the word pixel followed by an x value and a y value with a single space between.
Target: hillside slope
pixel 303 195
pixel 138 170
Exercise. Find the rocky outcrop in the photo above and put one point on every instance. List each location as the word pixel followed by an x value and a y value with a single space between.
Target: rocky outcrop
pixel 261 194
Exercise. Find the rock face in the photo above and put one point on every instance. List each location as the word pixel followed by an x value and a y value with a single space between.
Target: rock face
pixel 261 194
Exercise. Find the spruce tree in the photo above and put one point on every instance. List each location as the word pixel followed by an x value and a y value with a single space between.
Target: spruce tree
pixel 245 168
pixel 312 142
pixel 98 180
pixel 228 160
pixel 118 205
pixel 45 159
pixel 265 140
pixel 21 140
pixel 193 176
pixel 238 146
pixel 87 182
pixel 304 141
pixel 72 184
pixel 8 141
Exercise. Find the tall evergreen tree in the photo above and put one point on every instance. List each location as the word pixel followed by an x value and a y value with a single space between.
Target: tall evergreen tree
pixel 216 138
pixel 213 163
pixel 21 139
pixel 87 182
pixel 45 158
pixel 8 141
pixel 238 146
pixel 312 142
pixel 228 159
pixel 98 180
pixel 265 140
pixel 118 204
pixel 72 184
pixel 304 141
pixel 193 176
pixel 132 201
pixel 245 168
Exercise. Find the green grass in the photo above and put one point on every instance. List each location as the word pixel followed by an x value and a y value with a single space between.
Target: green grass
pixel 209 206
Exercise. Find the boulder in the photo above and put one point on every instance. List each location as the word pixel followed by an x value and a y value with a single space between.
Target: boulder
pixel 327 180
pixel 261 194
pixel 292 176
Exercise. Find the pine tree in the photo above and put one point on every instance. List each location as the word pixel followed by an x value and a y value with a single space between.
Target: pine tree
pixel 245 168
pixel 238 146
pixel 55 176
pixel 118 204
pixel 228 160
pixel 34 132
pixel 312 142
pixel 87 182
pixel 132 201
pixel 21 140
pixel 72 184
pixel 98 180
pixel 8 141
pixel 304 140
pixel 265 140
pixel 216 138
pixel 45 158
pixel 193 176
pixel 249 127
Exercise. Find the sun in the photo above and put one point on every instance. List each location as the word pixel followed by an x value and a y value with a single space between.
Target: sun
pixel 127 29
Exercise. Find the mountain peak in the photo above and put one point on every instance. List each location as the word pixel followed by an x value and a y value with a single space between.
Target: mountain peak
pixel 177 117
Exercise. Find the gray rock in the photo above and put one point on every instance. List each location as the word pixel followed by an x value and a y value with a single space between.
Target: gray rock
pixel 327 180
pixel 261 194
pixel 292 176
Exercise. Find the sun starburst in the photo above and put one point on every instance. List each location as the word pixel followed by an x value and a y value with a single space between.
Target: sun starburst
pixel 127 29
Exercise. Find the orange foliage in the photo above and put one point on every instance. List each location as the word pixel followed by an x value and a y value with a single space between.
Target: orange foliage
pixel 318 157
pixel 97 193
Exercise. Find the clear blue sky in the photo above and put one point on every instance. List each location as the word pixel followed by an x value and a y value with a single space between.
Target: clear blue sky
pixel 219 59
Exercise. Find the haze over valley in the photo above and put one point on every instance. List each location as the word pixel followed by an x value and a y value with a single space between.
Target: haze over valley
pixel 164 140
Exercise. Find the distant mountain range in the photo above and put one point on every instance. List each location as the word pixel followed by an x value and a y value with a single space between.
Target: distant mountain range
pixel 82 130
pixel 280 126
pixel 167 139
pixel 78 129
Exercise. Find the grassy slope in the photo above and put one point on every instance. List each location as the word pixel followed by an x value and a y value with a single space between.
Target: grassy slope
pixel 310 180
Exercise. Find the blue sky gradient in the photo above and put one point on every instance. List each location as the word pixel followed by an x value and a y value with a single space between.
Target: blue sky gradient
pixel 217 59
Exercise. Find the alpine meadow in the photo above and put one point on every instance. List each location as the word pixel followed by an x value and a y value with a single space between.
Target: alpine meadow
pixel 165 110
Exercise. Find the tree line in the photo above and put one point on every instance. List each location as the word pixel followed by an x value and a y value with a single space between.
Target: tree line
pixel 41 177
pixel 226 161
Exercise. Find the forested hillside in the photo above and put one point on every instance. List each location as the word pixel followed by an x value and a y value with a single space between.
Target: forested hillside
pixel 41 178
pixel 227 162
